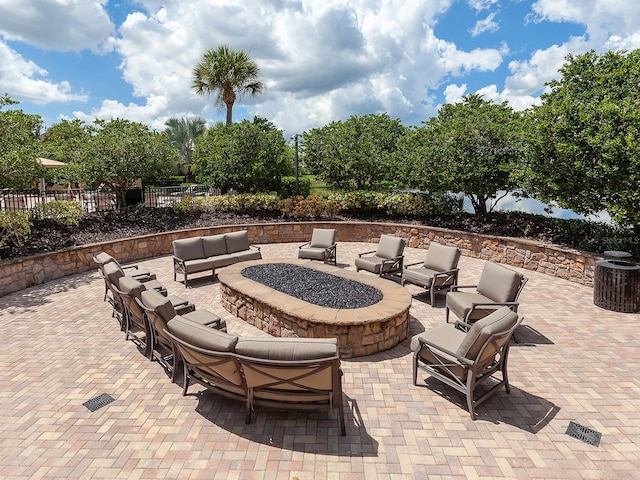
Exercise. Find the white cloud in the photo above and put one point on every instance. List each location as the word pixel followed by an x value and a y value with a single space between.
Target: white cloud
pixel 25 81
pixel 454 93
pixel 480 5
pixel 56 24
pixel 487 24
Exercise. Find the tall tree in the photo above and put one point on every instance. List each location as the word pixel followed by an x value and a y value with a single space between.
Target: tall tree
pixel 584 140
pixel 472 147
pixel 228 74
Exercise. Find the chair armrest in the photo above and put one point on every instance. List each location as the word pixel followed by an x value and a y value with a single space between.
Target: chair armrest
pixel 366 253
pixel 135 267
pixel 255 247
pixel 413 264
pixel 304 244
pixel 488 304
pixel 432 346
pixel 448 273
pixel 457 287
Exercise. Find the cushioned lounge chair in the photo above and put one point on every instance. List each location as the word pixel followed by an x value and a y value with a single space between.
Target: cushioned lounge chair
pixel 134 271
pixel 322 246
pixel 465 360
pixel 438 272
pixel 158 312
pixel 497 286
pixel 387 259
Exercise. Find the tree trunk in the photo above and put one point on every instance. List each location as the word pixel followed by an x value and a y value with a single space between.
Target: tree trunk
pixel 229 117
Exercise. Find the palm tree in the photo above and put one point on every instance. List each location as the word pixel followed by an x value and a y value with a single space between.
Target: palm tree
pixel 182 132
pixel 228 73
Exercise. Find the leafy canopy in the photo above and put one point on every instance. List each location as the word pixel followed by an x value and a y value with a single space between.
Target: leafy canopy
pixel 584 150
pixel 356 154
pixel 19 147
pixel 246 156
pixel 471 147
pixel 228 74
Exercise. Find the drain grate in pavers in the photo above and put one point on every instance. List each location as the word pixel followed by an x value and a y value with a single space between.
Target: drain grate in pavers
pixel 98 402
pixel 586 434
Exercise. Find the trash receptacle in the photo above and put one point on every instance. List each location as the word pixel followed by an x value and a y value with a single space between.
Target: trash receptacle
pixel 616 283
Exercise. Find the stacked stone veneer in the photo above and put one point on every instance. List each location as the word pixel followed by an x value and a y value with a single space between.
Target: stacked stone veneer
pixel 545 258
pixel 360 331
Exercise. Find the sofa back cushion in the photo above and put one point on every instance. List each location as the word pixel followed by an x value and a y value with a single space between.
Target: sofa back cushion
pixel 214 245
pixel 131 287
pixel 160 304
pixel 188 248
pixel 322 237
pixel 200 336
pixel 390 246
pixel 499 321
pixel 289 349
pixel 113 273
pixel 441 258
pixel 499 283
pixel 237 241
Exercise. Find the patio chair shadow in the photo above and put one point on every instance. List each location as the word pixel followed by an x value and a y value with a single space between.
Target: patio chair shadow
pixel 527 336
pixel 29 299
pixel 284 428
pixel 520 409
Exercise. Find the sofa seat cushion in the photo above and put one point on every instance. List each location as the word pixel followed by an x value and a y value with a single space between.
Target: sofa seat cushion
pixel 223 260
pixel 201 336
pixel 237 241
pixel 312 253
pixel 447 337
pixel 288 349
pixel 214 245
pixel 198 265
pixel 421 276
pixel 188 248
pixel 202 317
pixel 461 303
pixel 371 264
pixel 247 255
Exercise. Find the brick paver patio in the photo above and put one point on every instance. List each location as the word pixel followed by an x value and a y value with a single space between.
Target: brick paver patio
pixel 60 348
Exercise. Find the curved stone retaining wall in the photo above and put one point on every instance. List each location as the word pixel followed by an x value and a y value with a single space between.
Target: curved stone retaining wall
pixel 549 259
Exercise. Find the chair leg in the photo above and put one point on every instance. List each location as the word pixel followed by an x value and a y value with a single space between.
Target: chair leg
pixel 185 384
pixel 447 314
pixel 415 368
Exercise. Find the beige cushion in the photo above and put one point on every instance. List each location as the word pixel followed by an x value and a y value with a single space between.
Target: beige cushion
pixel 499 283
pixel 460 302
pixel 131 286
pixel 370 264
pixel 245 255
pixel 419 276
pixel 213 245
pixel 200 336
pixel 198 265
pixel 188 248
pixel 389 247
pixel 201 317
pixel 447 337
pixel 312 253
pixel 441 258
pixel 113 273
pixel 322 237
pixel 158 303
pixel 497 322
pixel 287 348
pixel 103 258
pixel 237 241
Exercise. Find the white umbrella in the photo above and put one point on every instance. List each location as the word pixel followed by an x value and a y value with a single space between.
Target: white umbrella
pixel 47 162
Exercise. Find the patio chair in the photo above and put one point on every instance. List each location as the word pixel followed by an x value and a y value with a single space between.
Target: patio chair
pixel 158 312
pixel 322 246
pixel 131 290
pixel 465 360
pixel 438 272
pixel 134 271
pixel 386 260
pixel 497 286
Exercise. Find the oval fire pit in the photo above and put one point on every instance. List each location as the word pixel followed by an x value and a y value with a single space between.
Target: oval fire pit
pixel 360 330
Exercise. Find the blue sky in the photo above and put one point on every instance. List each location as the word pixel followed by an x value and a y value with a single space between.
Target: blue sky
pixel 321 60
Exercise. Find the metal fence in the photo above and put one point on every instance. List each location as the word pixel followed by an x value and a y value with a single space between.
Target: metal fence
pixel 100 201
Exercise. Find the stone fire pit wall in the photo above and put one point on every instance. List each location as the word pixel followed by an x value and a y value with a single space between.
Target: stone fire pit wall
pixel 360 331
pixel 550 259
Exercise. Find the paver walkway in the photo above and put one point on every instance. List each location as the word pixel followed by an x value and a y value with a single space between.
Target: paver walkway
pixel 61 348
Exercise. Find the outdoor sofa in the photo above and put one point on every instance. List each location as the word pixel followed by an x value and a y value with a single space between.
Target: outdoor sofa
pixel 200 254
pixel 298 373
